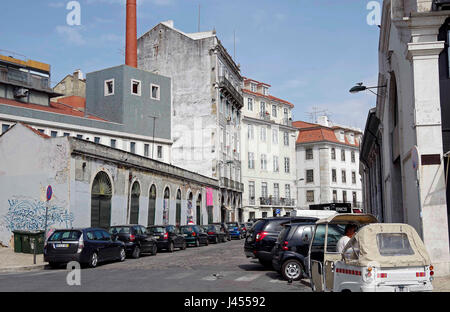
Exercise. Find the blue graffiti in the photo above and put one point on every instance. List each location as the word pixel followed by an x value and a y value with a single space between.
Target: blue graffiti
pixel 29 215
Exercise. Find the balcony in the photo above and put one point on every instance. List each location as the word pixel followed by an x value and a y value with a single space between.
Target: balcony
pixel 227 88
pixel 264 116
pixel 277 202
pixel 287 122
pixel 24 79
pixel 231 184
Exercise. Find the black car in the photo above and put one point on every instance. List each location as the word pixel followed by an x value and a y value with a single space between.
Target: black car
pixel 194 235
pixel 224 228
pixel 215 233
pixel 168 237
pixel 136 239
pixel 291 249
pixel 88 246
pixel 261 238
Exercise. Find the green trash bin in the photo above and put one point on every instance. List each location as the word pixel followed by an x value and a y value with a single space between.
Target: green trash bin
pixel 17 241
pixel 24 239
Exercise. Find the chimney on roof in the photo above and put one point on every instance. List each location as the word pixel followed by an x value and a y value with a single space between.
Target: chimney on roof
pixel 131 35
pixel 323 121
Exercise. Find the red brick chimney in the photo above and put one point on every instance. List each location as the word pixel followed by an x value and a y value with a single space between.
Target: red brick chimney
pixel 131 33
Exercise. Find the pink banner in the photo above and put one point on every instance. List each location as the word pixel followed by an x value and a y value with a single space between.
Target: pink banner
pixel 209 197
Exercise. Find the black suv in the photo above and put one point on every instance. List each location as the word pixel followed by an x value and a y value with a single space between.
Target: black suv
pixel 291 249
pixel 167 237
pixel 215 233
pixel 225 228
pixel 136 239
pixel 261 238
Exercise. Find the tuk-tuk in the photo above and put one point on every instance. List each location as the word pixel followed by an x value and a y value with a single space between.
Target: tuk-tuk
pixel 383 257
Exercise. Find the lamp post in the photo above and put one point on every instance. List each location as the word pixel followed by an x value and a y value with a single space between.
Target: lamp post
pixel 360 87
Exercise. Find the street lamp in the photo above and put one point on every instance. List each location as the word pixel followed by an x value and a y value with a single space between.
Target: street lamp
pixel 360 87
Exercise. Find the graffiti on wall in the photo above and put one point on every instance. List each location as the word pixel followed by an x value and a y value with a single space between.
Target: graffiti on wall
pixel 29 215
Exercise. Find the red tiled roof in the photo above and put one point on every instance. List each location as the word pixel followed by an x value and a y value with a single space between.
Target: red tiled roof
pixel 35 131
pixel 76 102
pixel 268 97
pixel 257 82
pixel 55 107
pixel 315 133
pixel 302 124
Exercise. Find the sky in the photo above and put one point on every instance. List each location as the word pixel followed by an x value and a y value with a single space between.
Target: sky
pixel 311 52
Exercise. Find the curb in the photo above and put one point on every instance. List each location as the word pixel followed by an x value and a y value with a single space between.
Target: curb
pixel 23 268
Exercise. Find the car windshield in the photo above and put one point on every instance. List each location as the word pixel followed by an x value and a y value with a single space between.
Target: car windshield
pixel 65 235
pixel 258 226
pixel 119 230
pixel 394 244
pixel 210 228
pixel 156 229
pixel 274 226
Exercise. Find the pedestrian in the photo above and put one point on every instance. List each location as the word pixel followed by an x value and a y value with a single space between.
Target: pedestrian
pixel 350 230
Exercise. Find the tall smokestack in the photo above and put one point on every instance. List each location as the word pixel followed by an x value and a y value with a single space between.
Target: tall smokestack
pixel 131 33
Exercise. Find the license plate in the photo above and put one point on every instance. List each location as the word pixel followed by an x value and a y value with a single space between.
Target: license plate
pixel 401 289
pixel 61 245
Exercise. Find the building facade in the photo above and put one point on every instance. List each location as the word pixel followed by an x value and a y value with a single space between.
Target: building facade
pixel 93 186
pixel 71 85
pixel 327 164
pixel 412 109
pixel 207 103
pixel 268 153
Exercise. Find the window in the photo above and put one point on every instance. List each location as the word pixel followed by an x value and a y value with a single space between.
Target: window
pixel 344 176
pixel 253 87
pixel 333 153
pixel 276 167
pixel 274 110
pixel 286 138
pixel 251 160
pixel 334 196
pixel 5 128
pixel 310 196
pixel 263 134
pixel 353 157
pixel 66 134
pixel 263 108
pixel 276 190
pixel 343 155
pixel 309 154
pixel 135 87
pixel 79 136
pixel 155 92
pixel 251 132
pixel 251 192
pixel 344 196
pixel 355 199
pixel 394 244
pixel 54 134
pixel 146 150
pixel 250 104
pixel 160 152
pixel 310 176
pixel 41 130
pixel 264 214
pixel 287 165
pixel 354 177
pixel 109 87
pixel 264 189
pixel 265 91
pixel 113 143
pixel 333 175
pixel 132 147
pixel 287 191
pixel 274 136
pixel 97 140
pixel 263 162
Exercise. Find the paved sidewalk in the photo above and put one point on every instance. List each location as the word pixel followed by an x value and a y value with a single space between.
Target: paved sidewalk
pixel 441 284
pixel 14 262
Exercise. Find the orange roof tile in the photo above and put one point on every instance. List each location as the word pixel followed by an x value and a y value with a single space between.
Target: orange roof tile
pixel 36 131
pixel 320 134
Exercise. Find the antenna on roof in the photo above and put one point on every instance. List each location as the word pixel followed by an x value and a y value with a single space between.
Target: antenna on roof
pixel 317 112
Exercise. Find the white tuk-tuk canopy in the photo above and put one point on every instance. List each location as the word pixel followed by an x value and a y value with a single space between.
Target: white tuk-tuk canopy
pixel 389 245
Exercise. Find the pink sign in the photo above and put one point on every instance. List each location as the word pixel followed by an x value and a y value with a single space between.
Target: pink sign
pixel 209 197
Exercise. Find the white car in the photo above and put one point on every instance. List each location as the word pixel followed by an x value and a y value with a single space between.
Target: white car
pixel 380 257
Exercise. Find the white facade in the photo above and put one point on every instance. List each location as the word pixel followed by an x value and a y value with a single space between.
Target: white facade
pixel 268 153
pixel 328 166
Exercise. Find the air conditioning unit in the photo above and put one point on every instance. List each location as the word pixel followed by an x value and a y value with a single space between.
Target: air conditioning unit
pixel 20 92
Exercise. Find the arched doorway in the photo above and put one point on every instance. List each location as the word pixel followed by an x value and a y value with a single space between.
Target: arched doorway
pixel 190 212
pixel 152 205
pixel 166 206
pixel 134 203
pixel 199 210
pixel 101 195
pixel 178 204
pixel 223 209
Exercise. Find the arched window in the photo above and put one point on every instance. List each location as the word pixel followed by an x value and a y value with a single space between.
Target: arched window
pixel 101 195
pixel 199 210
pixel 178 204
pixel 166 206
pixel 134 203
pixel 152 205
pixel 190 211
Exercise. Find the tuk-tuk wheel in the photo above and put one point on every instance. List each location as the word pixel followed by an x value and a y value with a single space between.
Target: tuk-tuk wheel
pixel 292 270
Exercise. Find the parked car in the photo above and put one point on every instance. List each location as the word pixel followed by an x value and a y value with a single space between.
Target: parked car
pixel 235 230
pixel 87 246
pixel 194 235
pixel 215 233
pixel 136 239
pixel 291 250
pixel 168 237
pixel 224 227
pixel 262 237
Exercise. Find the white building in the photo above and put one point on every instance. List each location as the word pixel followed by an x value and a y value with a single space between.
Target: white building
pixel 409 128
pixel 327 164
pixel 268 153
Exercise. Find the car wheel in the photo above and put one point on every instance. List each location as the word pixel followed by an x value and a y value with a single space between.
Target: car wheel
pixel 154 250
pixel 136 252
pixel 171 247
pixel 122 255
pixel 197 243
pixel 267 264
pixel 93 261
pixel 216 240
pixel 292 270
